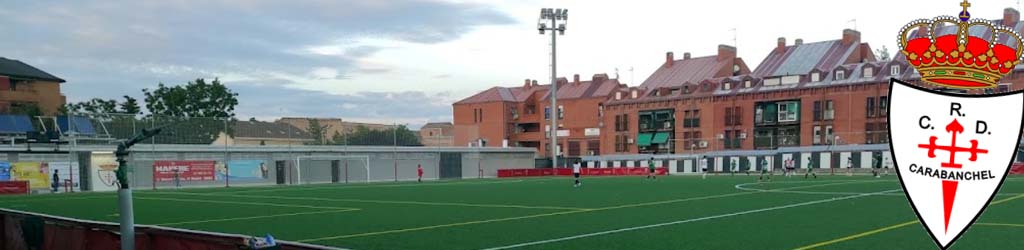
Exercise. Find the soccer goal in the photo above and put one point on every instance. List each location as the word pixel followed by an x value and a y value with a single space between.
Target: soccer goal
pixel 332 169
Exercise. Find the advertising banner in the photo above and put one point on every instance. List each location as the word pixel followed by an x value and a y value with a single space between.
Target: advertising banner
pixel 102 167
pixel 244 170
pixel 36 173
pixel 185 170
pixel 5 171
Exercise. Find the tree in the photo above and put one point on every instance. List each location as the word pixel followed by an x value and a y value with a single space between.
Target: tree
pixel 197 111
pixel 130 106
pixel 338 139
pixel 29 109
pixel 194 99
pixel 883 53
pixel 317 131
pixel 383 137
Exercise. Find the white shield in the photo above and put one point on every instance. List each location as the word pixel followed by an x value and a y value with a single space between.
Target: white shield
pixel 952 152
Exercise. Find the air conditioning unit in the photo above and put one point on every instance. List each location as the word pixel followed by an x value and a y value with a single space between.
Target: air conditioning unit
pixel 830 114
pixel 743 135
pixel 630 141
pixel 721 136
pixel 703 144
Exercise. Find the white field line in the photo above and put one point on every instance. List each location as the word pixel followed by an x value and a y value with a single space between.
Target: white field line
pixel 688 220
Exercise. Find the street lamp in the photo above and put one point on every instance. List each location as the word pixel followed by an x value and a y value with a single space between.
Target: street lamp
pixel 557 19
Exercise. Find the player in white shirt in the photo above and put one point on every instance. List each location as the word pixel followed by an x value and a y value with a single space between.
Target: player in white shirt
pixel 576 174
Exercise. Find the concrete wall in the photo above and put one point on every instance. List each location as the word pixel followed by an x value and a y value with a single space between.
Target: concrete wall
pixel 314 162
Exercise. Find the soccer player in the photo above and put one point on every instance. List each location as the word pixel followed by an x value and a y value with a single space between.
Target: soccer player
pixel 650 169
pixel 576 174
pixel 810 169
pixel 419 173
pixel 764 172
pixel 876 165
pixel 733 168
pixel 788 169
pixel 849 166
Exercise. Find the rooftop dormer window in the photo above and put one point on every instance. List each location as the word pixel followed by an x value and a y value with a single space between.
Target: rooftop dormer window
pixel 869 72
pixel 894 70
pixel 815 77
pixel 840 75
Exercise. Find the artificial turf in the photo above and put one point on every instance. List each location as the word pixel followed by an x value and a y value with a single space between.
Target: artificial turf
pixel 672 212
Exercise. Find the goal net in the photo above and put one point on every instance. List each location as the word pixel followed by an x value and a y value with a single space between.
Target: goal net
pixel 332 169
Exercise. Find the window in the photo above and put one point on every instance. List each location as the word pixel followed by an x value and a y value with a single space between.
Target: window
pixel 829 138
pixel 871 107
pixel 790 79
pixel 869 133
pixel 600 110
pixel 816 139
pixel 830 111
pixel 634 94
pixel 515 113
pixel 894 70
pixel 727 86
pixel 574 148
pixel 594 147
pixel 772 81
pixel 789 111
pixel 476 116
pixel 747 84
pixel 728 116
pixel 547 113
pixel 618 95
pixel 869 72
pixel 883 105
pixel 817 111
pixel 815 77
pixel 840 75
pixel 1003 87
pixel 561 112
pixel 737 116
pixel 691 118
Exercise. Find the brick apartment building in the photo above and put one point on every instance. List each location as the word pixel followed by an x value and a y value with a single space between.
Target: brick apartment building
pixel 801 94
pixel 25 87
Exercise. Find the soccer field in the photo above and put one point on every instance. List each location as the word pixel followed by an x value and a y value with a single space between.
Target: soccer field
pixel 674 212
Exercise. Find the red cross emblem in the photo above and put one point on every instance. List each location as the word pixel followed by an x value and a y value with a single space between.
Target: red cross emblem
pixel 949 187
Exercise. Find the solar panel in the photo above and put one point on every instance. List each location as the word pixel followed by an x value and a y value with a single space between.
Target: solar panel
pixel 79 124
pixel 15 124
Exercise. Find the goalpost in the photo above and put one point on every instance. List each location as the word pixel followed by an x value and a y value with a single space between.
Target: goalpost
pixel 332 169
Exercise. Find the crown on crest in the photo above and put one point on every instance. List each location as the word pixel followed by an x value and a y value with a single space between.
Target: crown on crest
pixel 961 60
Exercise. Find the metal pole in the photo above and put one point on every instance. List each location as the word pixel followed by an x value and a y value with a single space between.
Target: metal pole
pixel 554 93
pixel 227 168
pixel 394 147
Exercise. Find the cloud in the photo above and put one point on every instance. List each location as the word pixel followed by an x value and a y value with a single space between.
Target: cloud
pixel 409 107
pixel 107 49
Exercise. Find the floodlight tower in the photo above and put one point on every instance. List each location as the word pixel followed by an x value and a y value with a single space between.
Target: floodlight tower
pixel 557 18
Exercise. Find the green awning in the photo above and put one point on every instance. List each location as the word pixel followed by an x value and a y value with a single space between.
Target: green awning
pixel 660 138
pixel 644 139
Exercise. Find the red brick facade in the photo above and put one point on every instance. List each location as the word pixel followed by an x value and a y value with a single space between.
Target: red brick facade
pixel 801 94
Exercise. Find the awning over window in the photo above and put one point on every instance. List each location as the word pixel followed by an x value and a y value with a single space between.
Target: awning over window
pixel 644 139
pixel 660 138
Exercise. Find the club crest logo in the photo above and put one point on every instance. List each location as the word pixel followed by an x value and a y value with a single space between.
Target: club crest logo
pixel 952 151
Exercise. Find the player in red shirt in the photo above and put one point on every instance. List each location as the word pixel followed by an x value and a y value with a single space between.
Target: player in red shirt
pixel 419 173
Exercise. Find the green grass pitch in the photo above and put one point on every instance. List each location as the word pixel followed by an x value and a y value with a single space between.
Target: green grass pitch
pixel 672 212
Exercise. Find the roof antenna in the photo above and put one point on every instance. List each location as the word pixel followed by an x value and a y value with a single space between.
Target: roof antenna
pixel 616 73
pixel 854 21
pixel 734 40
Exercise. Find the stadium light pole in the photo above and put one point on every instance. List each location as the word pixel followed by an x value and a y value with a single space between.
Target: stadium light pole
pixel 557 18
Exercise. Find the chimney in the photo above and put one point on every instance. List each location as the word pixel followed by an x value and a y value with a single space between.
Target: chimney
pixel 535 83
pixel 850 36
pixel 1010 17
pixel 781 45
pixel 726 52
pixel 598 78
pixel 526 84
pixel 669 58
pixel 562 82
pixel 576 79
pixel 798 42
pixel 686 55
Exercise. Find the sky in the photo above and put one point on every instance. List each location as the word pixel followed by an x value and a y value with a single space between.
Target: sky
pixel 407 61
